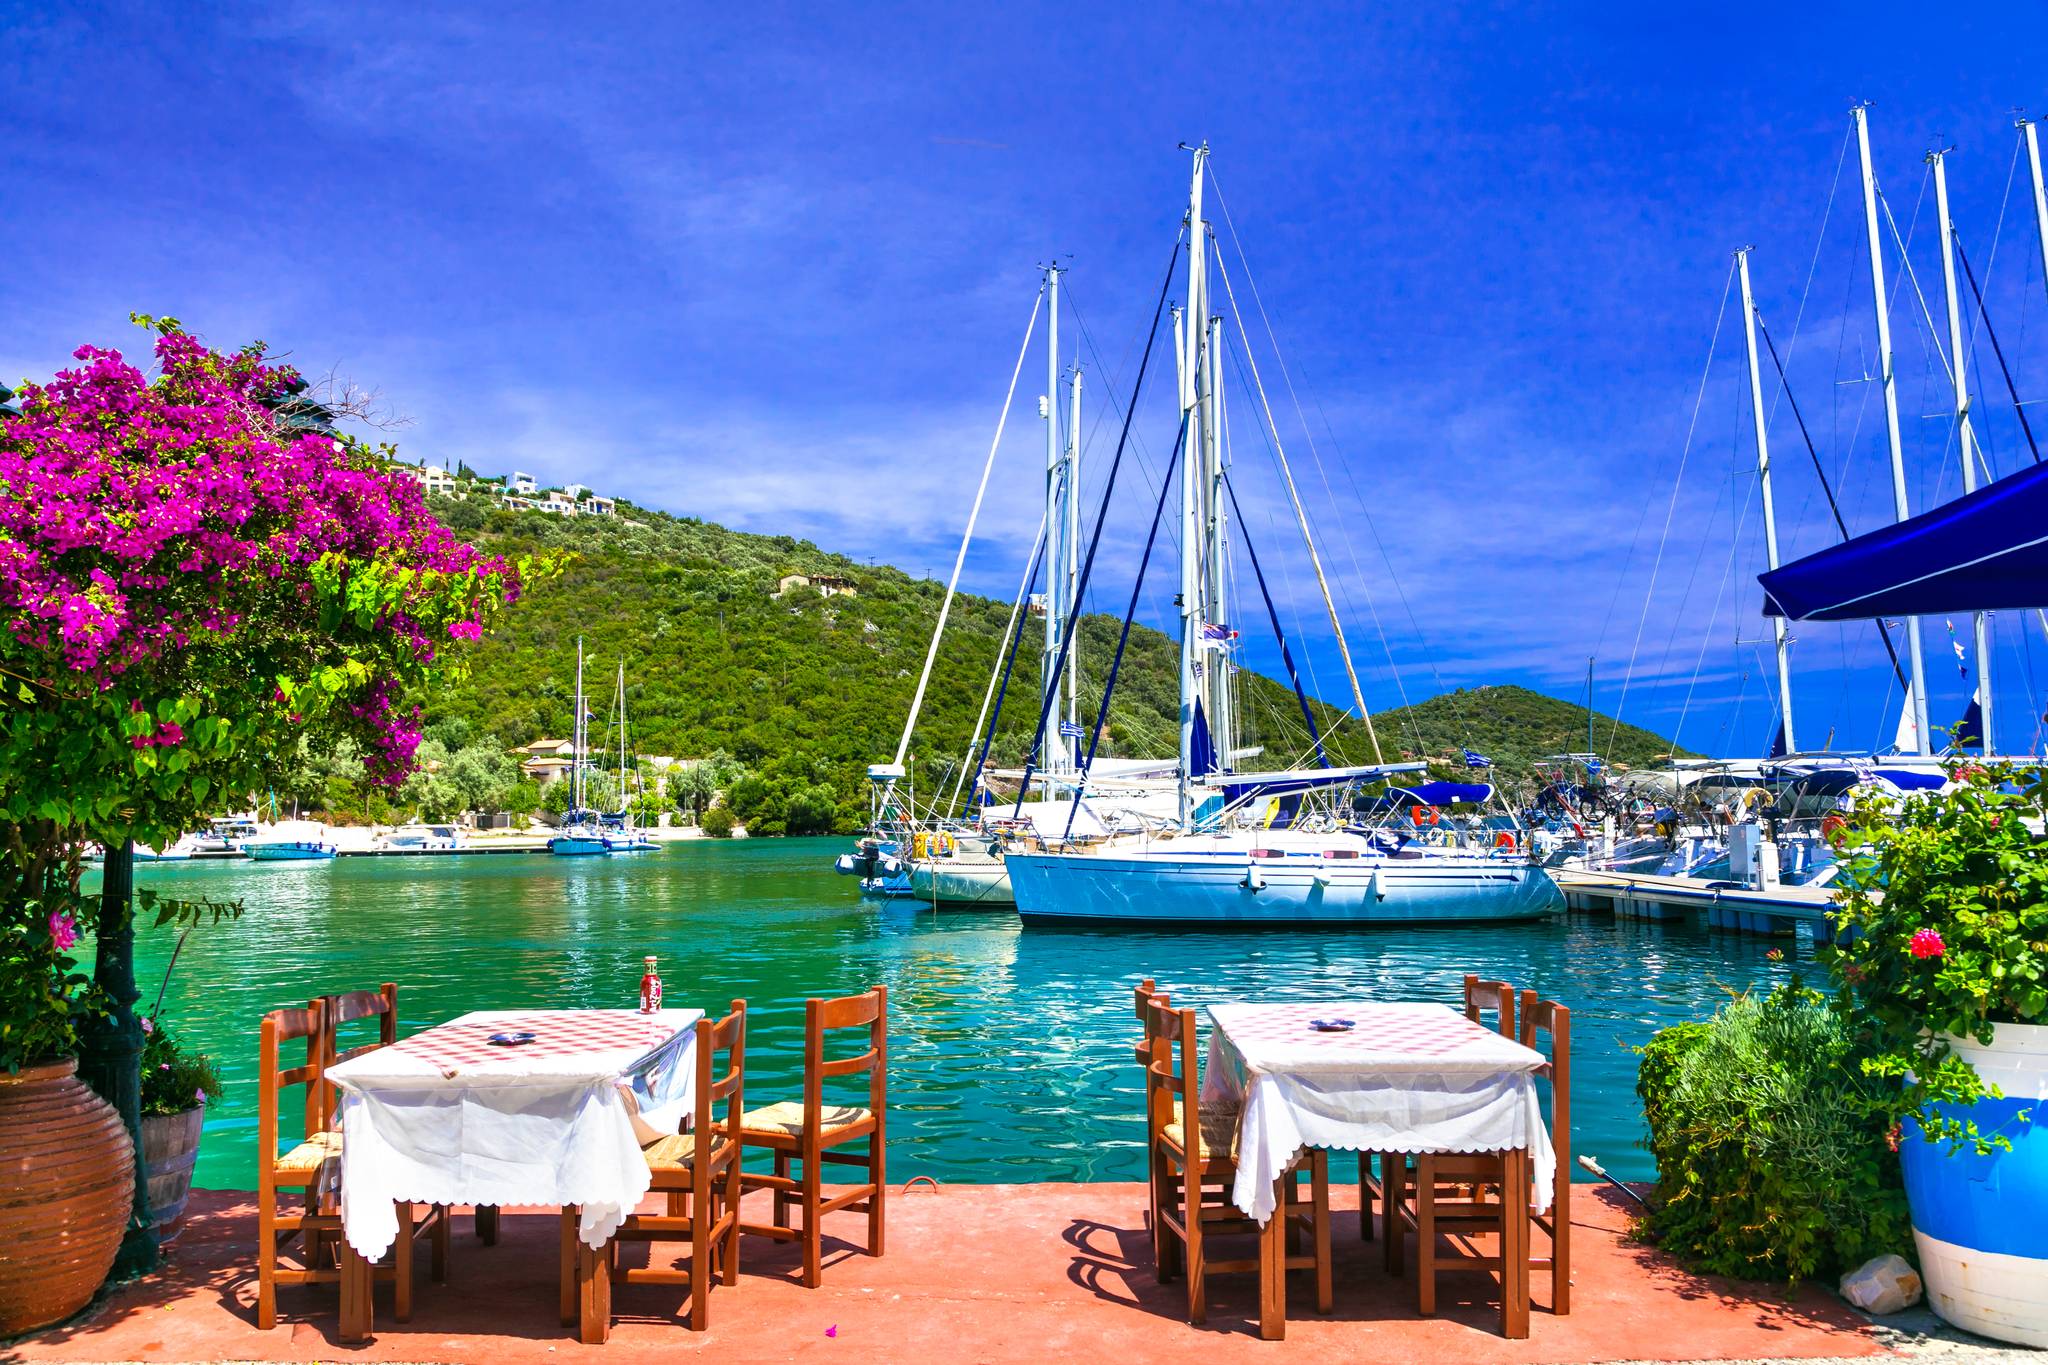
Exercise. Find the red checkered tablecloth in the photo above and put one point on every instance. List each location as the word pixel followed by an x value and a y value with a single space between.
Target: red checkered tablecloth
pixel 603 1036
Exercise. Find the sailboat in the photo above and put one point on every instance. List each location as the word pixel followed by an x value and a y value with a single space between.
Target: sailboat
pixel 619 834
pixel 1267 848
pixel 581 836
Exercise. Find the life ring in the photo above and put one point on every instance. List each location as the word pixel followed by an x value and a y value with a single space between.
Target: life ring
pixel 1831 826
pixel 1754 797
pixel 1504 839
pixel 1422 815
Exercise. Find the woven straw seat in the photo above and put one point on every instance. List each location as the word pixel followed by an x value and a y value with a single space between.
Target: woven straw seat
pixel 676 1152
pixel 1218 1134
pixel 306 1159
pixel 787 1116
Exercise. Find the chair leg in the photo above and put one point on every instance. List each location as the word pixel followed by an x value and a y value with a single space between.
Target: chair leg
pixel 876 1201
pixel 1196 1266
pixel 438 1265
pixel 781 1197
pixel 568 1267
pixel 1319 1175
pixel 594 1296
pixel 1425 1237
pixel 1365 1196
pixel 1165 1249
pixel 266 1259
pixel 358 1310
pixel 814 1237
pixel 1393 1176
pixel 1561 1249
pixel 700 1265
pixel 487 1224
pixel 729 1254
pixel 401 1266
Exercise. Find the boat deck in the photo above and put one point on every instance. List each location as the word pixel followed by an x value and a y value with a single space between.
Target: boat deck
pixel 1641 895
pixel 984 1273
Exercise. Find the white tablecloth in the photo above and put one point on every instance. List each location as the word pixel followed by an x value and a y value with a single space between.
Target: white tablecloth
pixel 1407 1078
pixel 443 1117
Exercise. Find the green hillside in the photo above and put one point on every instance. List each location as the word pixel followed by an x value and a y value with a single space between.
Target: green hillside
pixel 806 690
pixel 1515 726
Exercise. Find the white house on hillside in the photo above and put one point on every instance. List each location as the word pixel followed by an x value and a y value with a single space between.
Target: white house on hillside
pixel 522 484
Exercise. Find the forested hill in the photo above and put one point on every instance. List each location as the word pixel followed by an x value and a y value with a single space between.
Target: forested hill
pixel 1515 726
pixel 807 689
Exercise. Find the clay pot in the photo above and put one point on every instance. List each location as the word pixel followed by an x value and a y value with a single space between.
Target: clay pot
pixel 67 1182
pixel 170 1148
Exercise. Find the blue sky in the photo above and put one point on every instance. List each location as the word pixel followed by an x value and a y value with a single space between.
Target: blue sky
pixel 771 268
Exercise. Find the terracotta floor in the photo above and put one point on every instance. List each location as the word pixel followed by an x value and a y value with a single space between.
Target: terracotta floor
pixel 996 1273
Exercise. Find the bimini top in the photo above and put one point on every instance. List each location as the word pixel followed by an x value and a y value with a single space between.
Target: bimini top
pixel 1237 787
pixel 1986 551
pixel 1434 794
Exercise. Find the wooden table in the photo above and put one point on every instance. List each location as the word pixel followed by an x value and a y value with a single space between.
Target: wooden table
pixel 1406 1078
pixel 449 1117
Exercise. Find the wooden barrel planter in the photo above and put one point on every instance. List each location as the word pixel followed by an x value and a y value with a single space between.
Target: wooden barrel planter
pixel 170 1148
pixel 67 1182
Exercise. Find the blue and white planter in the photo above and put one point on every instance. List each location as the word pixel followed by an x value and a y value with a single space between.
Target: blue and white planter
pixel 1981 1222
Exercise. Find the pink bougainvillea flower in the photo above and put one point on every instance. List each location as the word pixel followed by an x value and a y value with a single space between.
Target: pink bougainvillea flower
pixel 466 630
pixel 1775 955
pixel 148 1025
pixel 1927 943
pixel 198 1097
pixel 833 1330
pixel 64 930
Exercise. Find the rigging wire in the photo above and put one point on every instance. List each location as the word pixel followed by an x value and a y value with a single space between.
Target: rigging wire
pixel 1002 649
pixel 1322 473
pixel 1671 509
pixel 960 560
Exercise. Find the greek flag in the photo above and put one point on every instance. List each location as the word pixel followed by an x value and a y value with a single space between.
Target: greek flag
pixel 1071 730
pixel 1475 759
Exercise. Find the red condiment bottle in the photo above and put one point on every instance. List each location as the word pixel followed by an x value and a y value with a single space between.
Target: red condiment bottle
pixel 650 988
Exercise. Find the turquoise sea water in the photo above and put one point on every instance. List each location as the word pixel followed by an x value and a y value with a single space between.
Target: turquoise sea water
pixel 1010 1048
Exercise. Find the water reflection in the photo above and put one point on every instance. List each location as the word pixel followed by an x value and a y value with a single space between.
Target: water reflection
pixel 1010 1050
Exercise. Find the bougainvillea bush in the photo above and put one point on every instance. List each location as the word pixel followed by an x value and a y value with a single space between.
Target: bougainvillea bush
pixel 188 587
pixel 1944 934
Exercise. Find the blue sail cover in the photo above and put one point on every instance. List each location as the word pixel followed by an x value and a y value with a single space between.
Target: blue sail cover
pixel 1435 794
pixel 1986 551
pixel 1201 749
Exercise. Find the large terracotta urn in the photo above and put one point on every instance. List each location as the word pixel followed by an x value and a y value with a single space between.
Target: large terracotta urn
pixel 67 1182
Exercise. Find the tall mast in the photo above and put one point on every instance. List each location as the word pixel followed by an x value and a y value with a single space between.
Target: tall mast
pixel 1058 751
pixel 1763 474
pixel 1190 326
pixel 1072 483
pixel 621 707
pixel 1917 702
pixel 576 736
pixel 2040 194
pixel 1966 439
pixel 1221 702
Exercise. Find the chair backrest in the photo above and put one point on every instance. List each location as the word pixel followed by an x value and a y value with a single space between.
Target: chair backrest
pixel 279 1027
pixel 721 1044
pixel 341 1010
pixel 870 1011
pixel 1547 1020
pixel 1154 1047
pixel 1141 1001
pixel 1498 996
pixel 1174 1072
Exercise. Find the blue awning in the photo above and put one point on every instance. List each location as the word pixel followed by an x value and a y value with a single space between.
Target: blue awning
pixel 1433 794
pixel 1986 551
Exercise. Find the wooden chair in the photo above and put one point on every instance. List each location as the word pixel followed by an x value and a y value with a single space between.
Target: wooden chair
pixel 1488 1193
pixel 1194 1147
pixel 699 1171
pixel 810 1131
pixel 1547 1019
pixel 1481 996
pixel 319 1223
pixel 337 1013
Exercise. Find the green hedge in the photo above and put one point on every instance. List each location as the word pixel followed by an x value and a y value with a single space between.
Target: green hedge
pixel 1770 1164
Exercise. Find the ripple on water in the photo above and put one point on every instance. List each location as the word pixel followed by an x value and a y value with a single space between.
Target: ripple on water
pixel 1010 1049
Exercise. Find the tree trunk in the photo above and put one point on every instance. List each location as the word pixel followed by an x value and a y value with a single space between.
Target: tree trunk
pixel 110 1049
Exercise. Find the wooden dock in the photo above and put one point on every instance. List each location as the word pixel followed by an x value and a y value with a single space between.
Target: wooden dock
pixel 1719 904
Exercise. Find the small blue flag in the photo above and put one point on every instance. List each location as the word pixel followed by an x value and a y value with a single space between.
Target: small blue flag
pixel 1475 759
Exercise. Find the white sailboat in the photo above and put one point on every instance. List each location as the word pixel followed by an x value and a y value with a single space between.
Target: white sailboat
pixel 580 837
pixel 1221 859
pixel 619 834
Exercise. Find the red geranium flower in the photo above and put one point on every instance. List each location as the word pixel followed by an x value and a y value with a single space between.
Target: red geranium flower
pixel 1927 943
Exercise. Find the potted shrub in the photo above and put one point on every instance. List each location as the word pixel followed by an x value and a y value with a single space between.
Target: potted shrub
pixel 67 1168
pixel 1942 964
pixel 176 1085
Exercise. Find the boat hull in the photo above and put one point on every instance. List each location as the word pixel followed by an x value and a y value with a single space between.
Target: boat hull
pixel 1237 892
pixel 577 846
pixel 975 885
pixel 286 853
